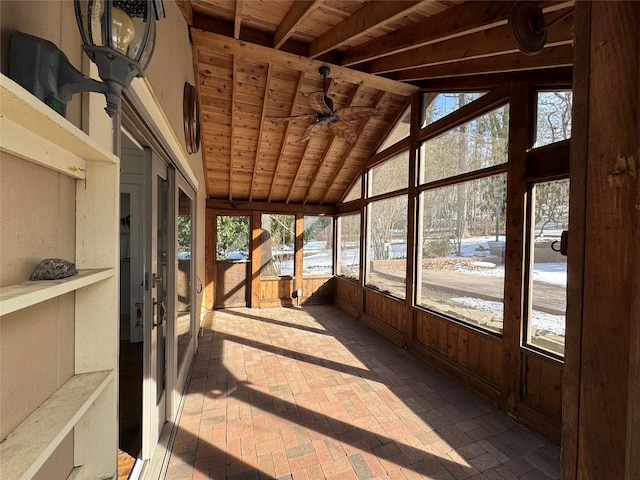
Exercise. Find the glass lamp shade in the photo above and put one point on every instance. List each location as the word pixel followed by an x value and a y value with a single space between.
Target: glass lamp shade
pixel 119 37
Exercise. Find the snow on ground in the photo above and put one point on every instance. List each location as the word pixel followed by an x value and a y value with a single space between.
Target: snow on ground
pixel 539 320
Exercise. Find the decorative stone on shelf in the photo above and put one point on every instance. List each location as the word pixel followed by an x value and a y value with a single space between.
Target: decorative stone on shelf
pixel 53 269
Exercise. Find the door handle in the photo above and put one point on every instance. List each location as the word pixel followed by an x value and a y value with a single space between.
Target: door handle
pixel 156 279
pixel 161 312
pixel 139 307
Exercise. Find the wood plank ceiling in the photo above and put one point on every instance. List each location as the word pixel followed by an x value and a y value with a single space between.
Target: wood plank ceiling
pixel 260 58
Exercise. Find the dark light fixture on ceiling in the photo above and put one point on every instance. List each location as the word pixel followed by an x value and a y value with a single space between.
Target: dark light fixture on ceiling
pixel 528 27
pixel 117 35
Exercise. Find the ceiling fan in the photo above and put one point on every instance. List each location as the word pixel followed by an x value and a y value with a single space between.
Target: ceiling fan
pixel 325 118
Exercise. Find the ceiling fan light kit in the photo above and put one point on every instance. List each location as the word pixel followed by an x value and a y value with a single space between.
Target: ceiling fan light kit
pixel 326 119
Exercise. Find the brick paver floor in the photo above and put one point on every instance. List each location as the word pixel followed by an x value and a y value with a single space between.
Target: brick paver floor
pixel 311 393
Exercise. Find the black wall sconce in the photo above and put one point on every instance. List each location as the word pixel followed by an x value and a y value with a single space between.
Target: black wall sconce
pixel 117 35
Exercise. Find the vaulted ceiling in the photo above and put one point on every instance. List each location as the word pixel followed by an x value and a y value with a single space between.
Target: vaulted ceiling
pixel 256 59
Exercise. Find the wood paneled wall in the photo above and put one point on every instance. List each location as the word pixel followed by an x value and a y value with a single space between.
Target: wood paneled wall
pixel 317 290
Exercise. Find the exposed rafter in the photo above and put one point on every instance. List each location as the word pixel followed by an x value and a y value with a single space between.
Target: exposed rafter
pixel 296 15
pixel 549 57
pixel 258 153
pixel 237 23
pixel 232 153
pixel 285 136
pixel 485 43
pixel 371 15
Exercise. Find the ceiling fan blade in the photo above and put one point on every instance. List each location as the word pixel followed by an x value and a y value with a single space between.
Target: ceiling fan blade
pixel 309 132
pixel 317 102
pixel 344 131
pixel 293 118
pixel 350 114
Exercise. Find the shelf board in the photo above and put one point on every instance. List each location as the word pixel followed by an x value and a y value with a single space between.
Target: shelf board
pixel 23 295
pixel 29 446
pixel 35 132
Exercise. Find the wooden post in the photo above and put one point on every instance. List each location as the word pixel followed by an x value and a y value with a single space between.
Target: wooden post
pixel 514 249
pixel 210 258
pixel 598 442
pixel 256 258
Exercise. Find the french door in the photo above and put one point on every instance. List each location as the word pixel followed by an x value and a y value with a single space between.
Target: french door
pixel 157 299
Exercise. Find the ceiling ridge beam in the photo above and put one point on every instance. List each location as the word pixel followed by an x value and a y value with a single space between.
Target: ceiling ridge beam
pixel 346 154
pixel 461 20
pixel 286 135
pixel 329 147
pixel 370 16
pixel 549 57
pixel 296 15
pixel 267 87
pixel 486 43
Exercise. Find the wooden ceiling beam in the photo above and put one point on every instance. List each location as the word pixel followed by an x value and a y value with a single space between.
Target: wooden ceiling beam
pixel 466 18
pixel 560 77
pixel 236 207
pixel 285 136
pixel 372 15
pixel 237 19
pixel 347 153
pixel 260 129
pixel 259 53
pixel 296 15
pixel 560 56
pixel 253 35
pixel 477 45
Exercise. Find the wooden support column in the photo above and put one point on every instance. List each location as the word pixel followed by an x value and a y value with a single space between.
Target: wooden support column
pixel 297 264
pixel 210 258
pixel 412 220
pixel 256 258
pixel 601 397
pixel 514 249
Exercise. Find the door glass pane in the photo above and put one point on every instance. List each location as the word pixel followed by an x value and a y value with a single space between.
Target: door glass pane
pixel 277 245
pixel 548 273
pixel 183 283
pixel 161 285
pixel 317 249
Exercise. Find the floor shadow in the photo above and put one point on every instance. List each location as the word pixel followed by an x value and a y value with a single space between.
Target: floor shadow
pixel 447 417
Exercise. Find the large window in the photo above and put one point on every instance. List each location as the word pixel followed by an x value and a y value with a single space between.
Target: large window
pixel 390 176
pixel 355 192
pixel 387 245
pixel 277 245
pixel 349 246
pixel 439 105
pixel 461 254
pixel 548 272
pixel 318 246
pixel 553 116
pixel 477 144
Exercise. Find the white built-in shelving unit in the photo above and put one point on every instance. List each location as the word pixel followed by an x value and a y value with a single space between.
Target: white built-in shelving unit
pixel 86 405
